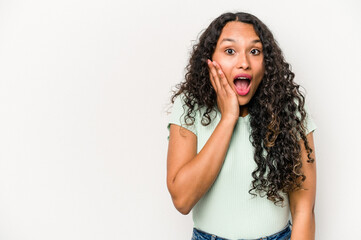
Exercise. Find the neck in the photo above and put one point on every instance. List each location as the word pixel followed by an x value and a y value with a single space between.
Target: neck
pixel 243 111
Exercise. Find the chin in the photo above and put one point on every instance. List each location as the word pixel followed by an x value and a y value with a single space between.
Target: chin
pixel 243 100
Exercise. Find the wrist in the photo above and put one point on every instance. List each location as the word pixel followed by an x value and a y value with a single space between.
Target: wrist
pixel 229 120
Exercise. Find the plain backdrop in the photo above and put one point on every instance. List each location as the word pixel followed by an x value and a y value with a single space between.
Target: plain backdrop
pixel 84 91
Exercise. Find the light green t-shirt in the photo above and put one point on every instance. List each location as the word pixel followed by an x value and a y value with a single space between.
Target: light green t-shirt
pixel 227 209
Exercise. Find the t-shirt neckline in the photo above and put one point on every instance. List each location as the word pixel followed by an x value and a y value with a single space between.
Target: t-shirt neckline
pixel 244 118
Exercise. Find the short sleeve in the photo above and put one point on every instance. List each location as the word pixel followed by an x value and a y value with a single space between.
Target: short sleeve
pixel 310 124
pixel 178 113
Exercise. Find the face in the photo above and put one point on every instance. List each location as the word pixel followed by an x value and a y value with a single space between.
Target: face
pixel 239 52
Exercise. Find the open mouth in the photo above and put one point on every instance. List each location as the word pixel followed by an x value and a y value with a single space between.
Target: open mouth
pixel 242 83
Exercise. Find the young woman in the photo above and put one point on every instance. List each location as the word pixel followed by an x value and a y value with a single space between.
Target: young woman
pixel 241 151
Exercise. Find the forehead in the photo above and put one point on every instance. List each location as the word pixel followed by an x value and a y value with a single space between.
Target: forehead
pixel 238 30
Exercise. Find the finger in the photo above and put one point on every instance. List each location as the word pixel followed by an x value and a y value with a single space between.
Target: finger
pixel 215 77
pixel 212 71
pixel 220 76
pixel 212 82
pixel 223 79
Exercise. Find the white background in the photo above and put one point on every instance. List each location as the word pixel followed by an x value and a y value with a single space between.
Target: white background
pixel 84 89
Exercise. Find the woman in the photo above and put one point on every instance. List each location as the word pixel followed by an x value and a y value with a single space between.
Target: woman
pixel 241 152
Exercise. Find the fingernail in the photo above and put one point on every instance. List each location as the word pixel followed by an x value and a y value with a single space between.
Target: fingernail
pixel 214 64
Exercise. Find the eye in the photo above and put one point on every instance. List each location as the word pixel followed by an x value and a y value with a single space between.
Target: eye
pixel 255 51
pixel 230 51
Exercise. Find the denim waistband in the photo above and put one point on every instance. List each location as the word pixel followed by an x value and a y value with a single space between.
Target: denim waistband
pixel 215 237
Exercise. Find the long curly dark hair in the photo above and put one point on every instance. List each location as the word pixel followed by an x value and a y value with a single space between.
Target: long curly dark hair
pixel 273 119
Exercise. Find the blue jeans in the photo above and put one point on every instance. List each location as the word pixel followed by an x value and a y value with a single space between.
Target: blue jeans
pixel 284 234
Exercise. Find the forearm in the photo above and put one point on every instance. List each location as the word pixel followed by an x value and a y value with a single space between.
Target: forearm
pixel 196 177
pixel 303 226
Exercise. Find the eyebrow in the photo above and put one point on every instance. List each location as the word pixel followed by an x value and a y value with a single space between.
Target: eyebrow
pixel 232 40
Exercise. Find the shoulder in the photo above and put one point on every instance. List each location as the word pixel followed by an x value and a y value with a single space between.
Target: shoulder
pixel 184 113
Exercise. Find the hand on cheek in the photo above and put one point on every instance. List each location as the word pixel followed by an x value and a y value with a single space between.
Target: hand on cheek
pixel 226 98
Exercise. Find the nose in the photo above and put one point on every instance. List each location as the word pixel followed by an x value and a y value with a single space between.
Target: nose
pixel 242 61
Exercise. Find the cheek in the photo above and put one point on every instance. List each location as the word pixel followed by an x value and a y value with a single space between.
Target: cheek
pixel 221 60
pixel 226 66
pixel 260 69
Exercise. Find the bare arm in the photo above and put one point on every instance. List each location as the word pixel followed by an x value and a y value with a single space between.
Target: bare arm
pixel 190 175
pixel 302 202
pixel 198 172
